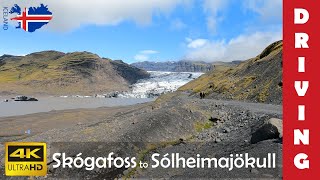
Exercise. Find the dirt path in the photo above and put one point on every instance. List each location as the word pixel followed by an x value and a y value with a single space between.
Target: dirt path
pixel 254 107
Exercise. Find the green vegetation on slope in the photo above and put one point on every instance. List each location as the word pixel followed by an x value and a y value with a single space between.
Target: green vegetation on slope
pixel 258 79
pixel 53 72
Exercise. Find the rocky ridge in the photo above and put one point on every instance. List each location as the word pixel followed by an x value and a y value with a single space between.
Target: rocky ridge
pixel 172 66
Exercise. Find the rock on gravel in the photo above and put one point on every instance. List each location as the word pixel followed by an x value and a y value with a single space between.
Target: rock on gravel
pixel 226 130
pixel 270 129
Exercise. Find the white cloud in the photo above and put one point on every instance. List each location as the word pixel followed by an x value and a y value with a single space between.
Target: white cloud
pixel 149 52
pixel 239 48
pixel 197 43
pixel 145 55
pixel 141 57
pixel 213 8
pixel 267 9
pixel 70 14
pixel 177 24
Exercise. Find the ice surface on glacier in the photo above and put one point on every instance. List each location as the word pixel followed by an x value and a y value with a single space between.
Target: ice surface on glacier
pixel 159 83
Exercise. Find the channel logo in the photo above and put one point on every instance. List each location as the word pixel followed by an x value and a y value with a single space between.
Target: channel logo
pixel 25 159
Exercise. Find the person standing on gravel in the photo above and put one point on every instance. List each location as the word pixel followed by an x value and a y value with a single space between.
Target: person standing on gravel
pixel 202 95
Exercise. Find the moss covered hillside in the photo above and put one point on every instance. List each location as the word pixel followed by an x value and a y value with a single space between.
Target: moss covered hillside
pixel 258 79
pixel 52 72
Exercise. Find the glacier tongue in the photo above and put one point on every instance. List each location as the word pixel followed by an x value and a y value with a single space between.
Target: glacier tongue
pixel 159 83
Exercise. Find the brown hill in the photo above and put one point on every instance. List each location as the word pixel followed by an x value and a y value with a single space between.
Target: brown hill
pixel 52 72
pixel 258 79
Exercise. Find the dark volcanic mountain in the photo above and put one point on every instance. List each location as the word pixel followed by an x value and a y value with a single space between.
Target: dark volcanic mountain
pixel 52 72
pixel 170 66
pixel 258 79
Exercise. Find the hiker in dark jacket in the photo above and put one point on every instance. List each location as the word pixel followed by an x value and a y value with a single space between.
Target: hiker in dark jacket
pixel 202 95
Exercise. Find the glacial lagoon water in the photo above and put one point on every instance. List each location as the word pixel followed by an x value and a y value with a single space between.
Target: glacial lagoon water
pixel 145 90
pixel 46 104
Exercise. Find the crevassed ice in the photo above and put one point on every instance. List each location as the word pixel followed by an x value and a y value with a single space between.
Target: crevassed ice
pixel 159 83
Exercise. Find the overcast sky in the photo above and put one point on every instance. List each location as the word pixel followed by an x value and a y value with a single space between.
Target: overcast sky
pixel 154 30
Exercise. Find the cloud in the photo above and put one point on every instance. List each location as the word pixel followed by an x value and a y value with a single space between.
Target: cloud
pixel 145 55
pixel 68 14
pixel 149 52
pixel 239 48
pixel 267 9
pixel 177 24
pixel 212 8
pixel 197 43
pixel 141 57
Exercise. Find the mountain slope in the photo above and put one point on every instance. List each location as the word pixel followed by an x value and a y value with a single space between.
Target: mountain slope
pixel 258 79
pixel 52 72
pixel 170 66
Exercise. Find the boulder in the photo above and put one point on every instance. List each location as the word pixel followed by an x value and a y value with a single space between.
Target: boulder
pixel 214 119
pixel 226 130
pixel 217 140
pixel 270 129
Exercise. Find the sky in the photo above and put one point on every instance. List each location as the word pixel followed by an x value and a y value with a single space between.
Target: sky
pixel 151 30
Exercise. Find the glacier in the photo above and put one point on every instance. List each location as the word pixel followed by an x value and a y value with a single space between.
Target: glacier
pixel 159 83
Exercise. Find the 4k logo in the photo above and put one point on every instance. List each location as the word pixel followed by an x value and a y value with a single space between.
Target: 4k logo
pixel 26 159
